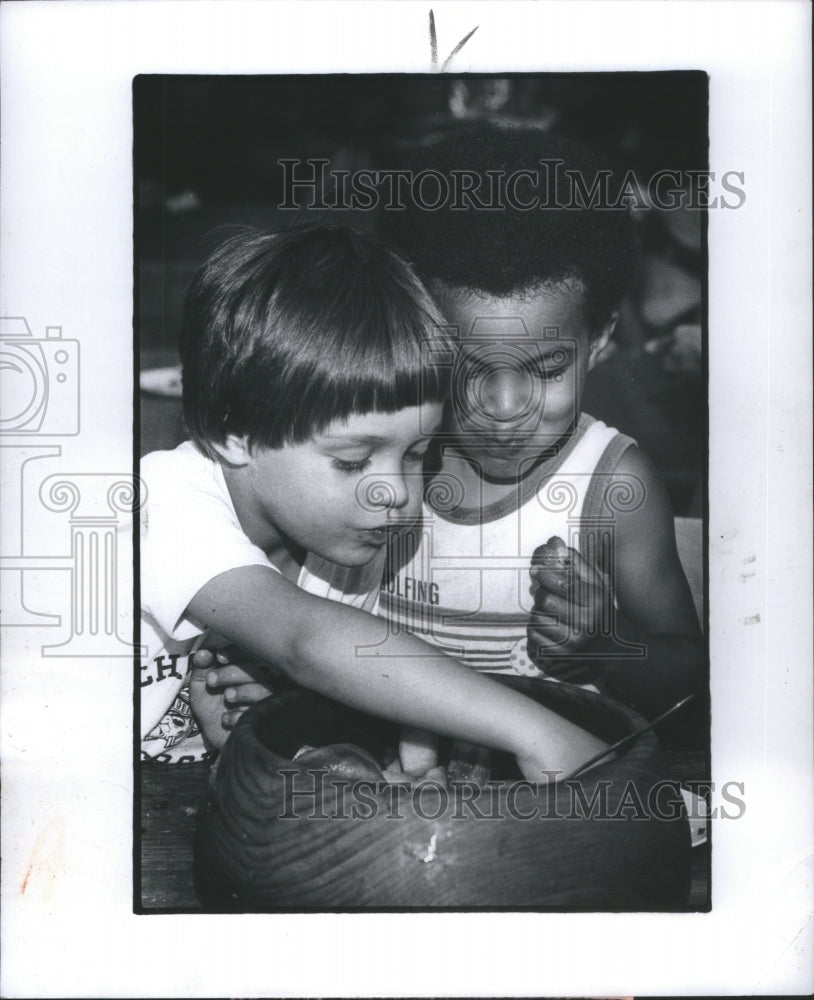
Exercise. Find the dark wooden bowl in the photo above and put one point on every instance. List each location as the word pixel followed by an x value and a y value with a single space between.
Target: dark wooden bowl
pixel 324 832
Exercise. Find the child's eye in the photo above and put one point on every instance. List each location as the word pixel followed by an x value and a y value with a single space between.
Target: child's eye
pixel 347 466
pixel 414 456
pixel 538 370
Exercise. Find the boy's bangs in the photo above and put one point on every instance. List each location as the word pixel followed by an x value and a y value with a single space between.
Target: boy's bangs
pixel 368 372
pixel 405 376
pixel 290 332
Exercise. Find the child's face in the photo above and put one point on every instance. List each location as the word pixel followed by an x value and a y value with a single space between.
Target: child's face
pixel 520 374
pixel 336 494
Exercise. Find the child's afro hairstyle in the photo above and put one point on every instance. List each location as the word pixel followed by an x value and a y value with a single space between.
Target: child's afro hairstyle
pixel 509 250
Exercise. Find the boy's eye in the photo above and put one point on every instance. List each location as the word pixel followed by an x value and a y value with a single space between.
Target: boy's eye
pixel 345 465
pixel 415 456
pixel 547 373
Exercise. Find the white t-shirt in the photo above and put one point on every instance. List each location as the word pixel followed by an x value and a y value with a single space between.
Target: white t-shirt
pixel 190 533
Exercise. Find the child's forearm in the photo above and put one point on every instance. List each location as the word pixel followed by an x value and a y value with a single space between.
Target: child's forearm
pixel 353 657
pixel 409 682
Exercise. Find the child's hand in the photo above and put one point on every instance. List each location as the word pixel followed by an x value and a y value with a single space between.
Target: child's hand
pixel 573 602
pixel 418 751
pixel 222 686
pixel 394 775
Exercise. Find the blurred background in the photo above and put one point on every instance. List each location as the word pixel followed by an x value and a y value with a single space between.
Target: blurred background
pixel 206 152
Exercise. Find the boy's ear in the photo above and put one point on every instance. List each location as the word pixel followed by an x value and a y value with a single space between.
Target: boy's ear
pixel 234 450
pixel 601 342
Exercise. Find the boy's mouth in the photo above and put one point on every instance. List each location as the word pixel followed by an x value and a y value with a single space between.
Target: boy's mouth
pixel 502 444
pixel 374 536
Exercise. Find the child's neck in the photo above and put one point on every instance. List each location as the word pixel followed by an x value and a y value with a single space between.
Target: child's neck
pixel 478 489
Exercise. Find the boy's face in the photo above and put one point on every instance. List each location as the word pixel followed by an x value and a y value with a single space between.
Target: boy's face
pixel 336 494
pixel 519 378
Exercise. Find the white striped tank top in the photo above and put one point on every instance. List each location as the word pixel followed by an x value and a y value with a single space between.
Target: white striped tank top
pixel 460 578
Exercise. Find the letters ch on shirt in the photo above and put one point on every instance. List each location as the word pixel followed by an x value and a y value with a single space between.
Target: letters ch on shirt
pixel 161 668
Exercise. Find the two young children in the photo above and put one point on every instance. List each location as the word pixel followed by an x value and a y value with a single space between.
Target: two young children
pixel 317 373
pixel 310 401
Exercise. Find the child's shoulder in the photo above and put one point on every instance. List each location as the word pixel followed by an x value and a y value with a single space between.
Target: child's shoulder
pixel 624 483
pixel 184 478
pixel 592 427
pixel 594 447
pixel 183 458
pixel 181 468
pixel 635 490
pixel 633 462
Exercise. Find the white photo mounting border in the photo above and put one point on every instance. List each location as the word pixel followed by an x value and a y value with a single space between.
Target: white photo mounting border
pixel 66 197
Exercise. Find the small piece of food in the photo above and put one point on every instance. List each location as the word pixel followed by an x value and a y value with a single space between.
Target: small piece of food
pixel 553 555
pixel 552 566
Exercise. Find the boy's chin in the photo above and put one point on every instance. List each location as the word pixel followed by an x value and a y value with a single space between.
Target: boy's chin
pixel 354 555
pixel 503 474
pixel 505 468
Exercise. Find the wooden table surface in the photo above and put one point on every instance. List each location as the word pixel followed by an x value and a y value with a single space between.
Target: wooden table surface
pixel 172 794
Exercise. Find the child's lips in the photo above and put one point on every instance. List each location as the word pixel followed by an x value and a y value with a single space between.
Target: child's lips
pixel 374 536
pixel 499 445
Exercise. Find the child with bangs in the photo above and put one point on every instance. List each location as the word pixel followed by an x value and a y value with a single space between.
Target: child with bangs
pixel 310 399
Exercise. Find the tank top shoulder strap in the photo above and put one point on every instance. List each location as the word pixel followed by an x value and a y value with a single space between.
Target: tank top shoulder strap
pixel 593 503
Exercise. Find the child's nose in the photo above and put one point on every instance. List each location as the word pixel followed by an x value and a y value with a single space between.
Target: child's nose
pixel 401 492
pixel 394 491
pixel 507 394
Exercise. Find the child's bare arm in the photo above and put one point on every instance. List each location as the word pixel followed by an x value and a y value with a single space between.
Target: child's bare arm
pixel 225 684
pixel 351 656
pixel 651 589
pixel 655 606
pixel 655 602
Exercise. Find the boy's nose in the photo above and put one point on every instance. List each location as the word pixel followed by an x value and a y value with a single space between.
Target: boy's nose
pixel 507 394
pixel 389 491
pixel 401 493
